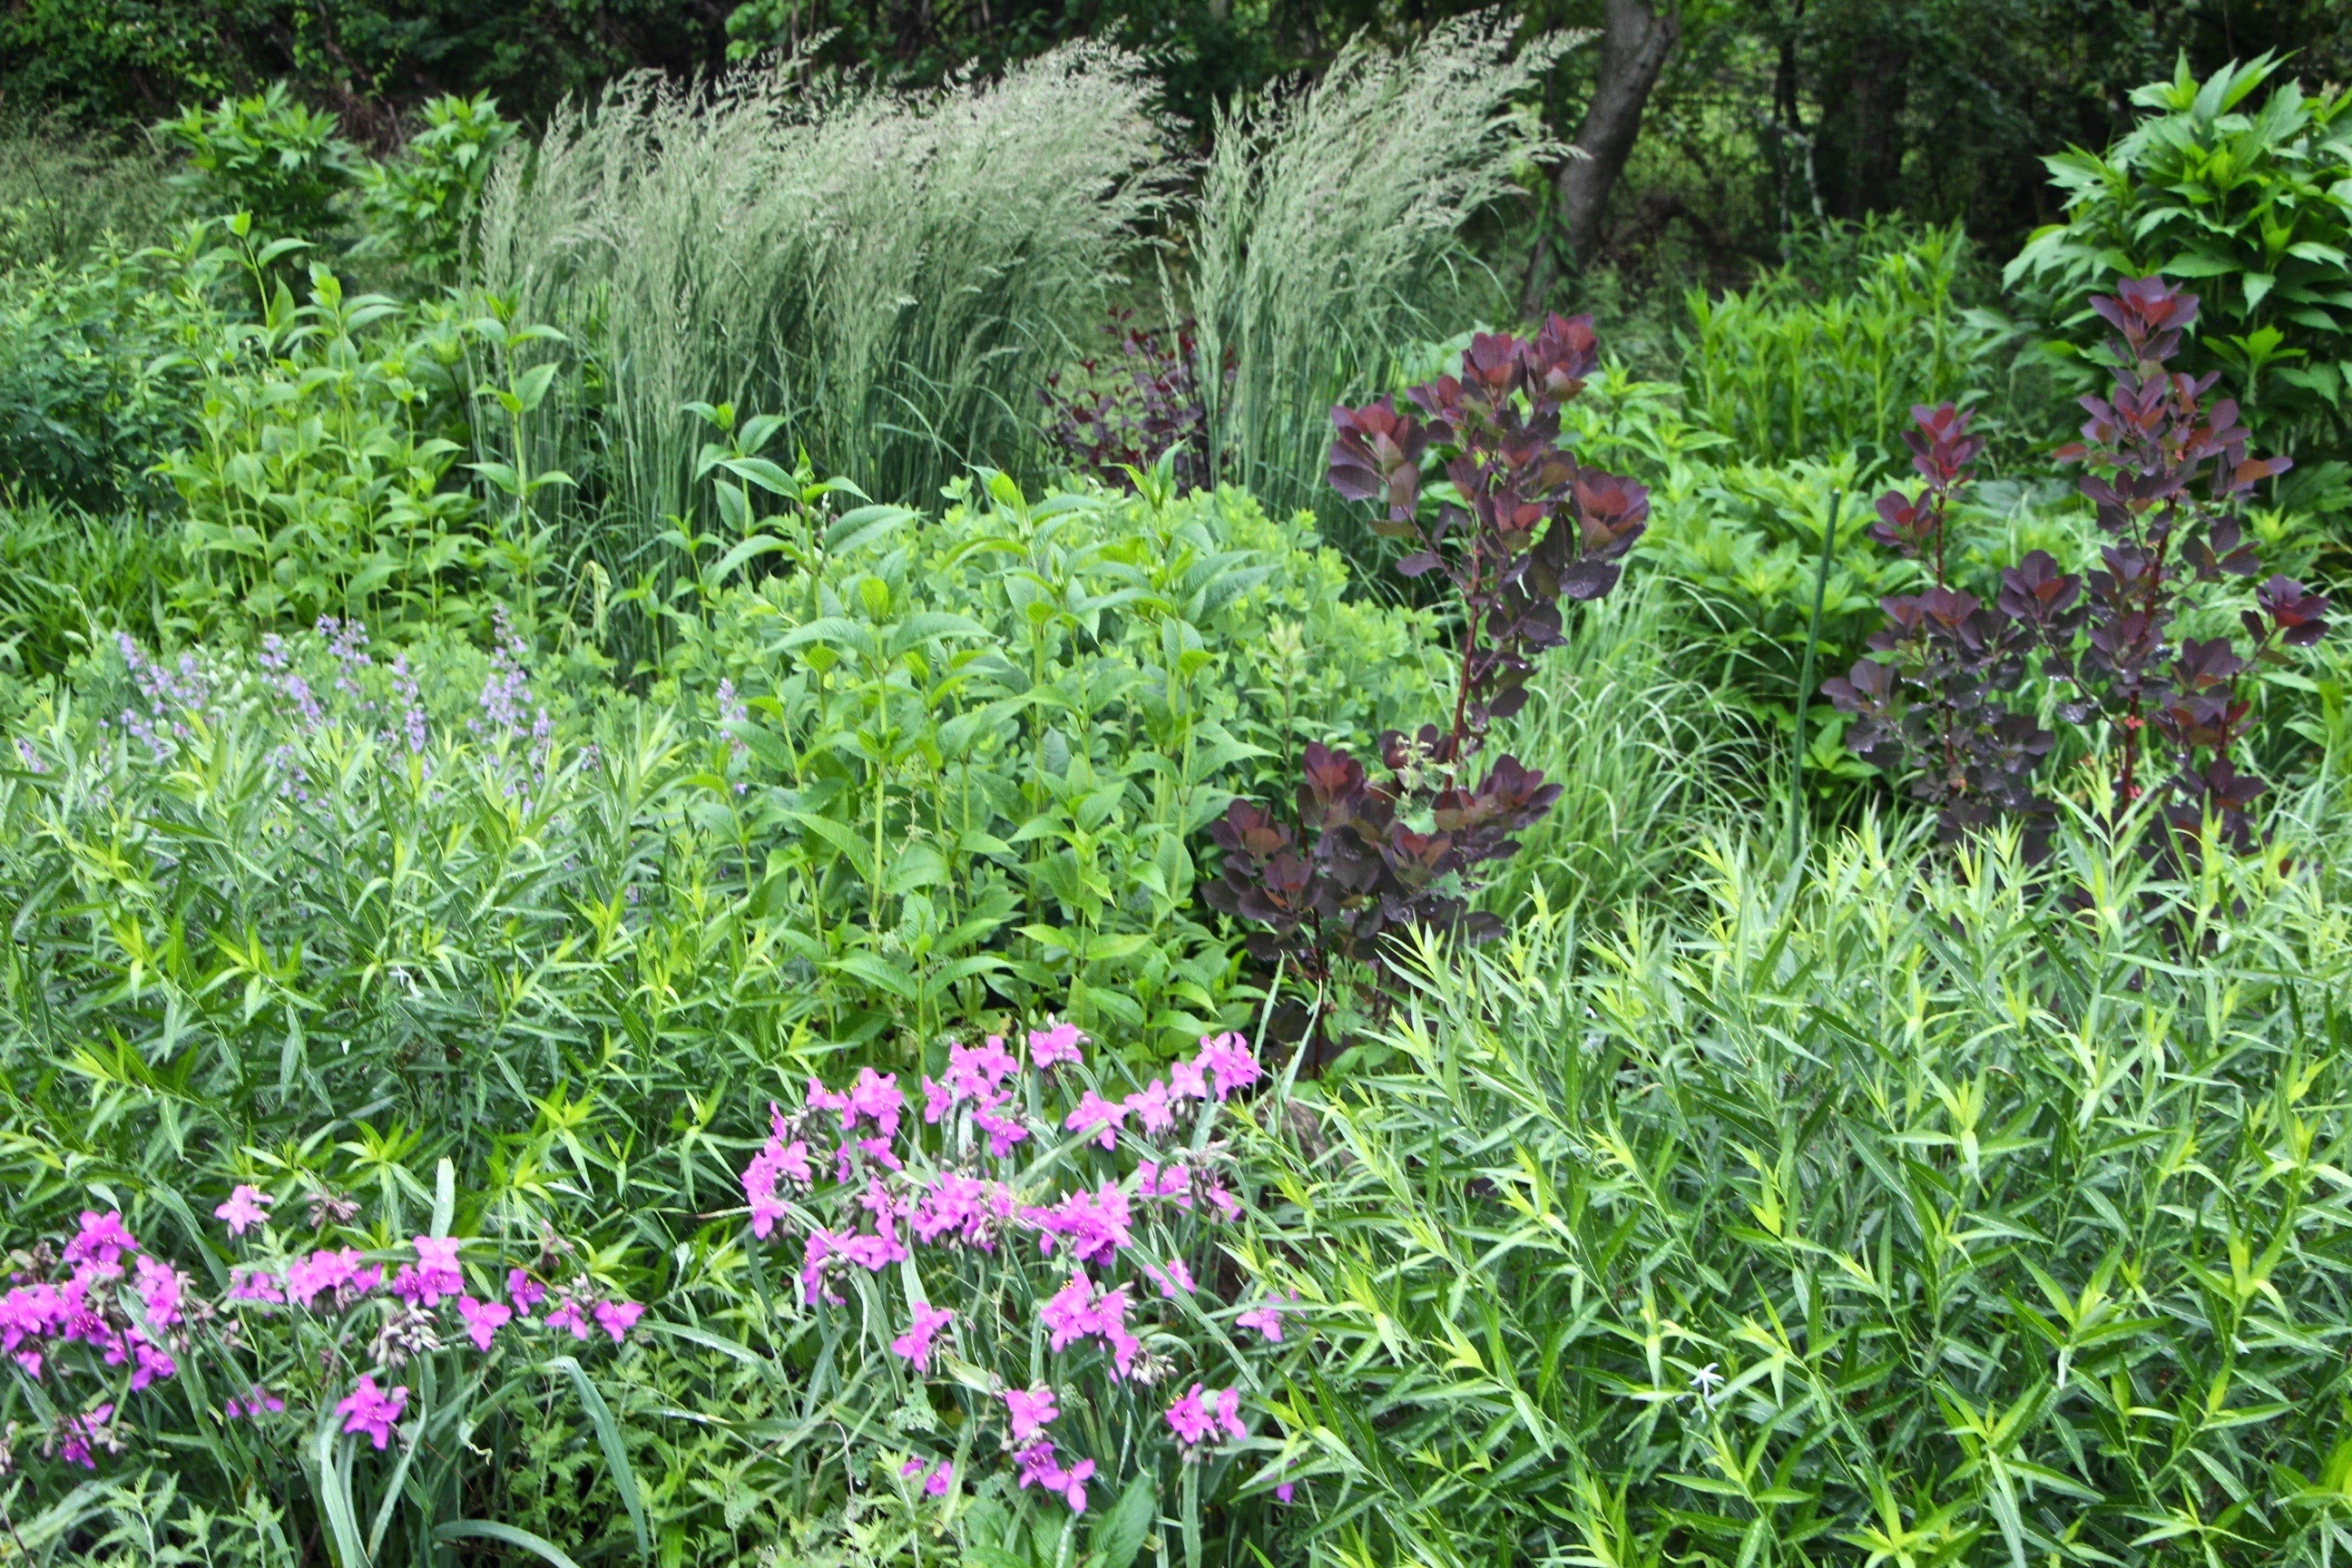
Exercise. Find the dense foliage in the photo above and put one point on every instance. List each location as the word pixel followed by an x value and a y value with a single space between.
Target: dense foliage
pixel 690 881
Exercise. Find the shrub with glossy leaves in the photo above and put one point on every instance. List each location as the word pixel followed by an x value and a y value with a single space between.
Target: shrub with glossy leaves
pixel 2251 202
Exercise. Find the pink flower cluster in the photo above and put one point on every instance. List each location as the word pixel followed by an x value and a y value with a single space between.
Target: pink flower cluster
pixel 880 1209
pixel 915 1344
pixel 1196 1416
pixel 935 1479
pixel 1078 1310
pixel 40 1317
pixel 335 1279
pixel 778 1160
pixel 1028 1412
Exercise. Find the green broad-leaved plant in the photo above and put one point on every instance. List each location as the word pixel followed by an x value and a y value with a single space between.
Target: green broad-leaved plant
pixel 2250 204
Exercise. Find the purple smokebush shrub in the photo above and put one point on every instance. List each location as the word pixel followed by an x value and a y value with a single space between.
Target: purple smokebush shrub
pixel 1514 524
pixel 1938 700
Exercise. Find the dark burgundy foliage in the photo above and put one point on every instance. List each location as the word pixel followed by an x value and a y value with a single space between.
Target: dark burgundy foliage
pixel 2167 471
pixel 1127 412
pixel 1518 524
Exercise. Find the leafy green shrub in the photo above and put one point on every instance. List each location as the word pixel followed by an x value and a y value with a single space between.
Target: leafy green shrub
pixel 96 362
pixel 2254 209
pixel 980 748
pixel 1905 1209
pixel 1782 371
pixel 424 204
pixel 317 478
pixel 269 155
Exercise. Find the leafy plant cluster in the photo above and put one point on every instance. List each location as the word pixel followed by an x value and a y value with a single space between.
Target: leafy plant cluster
pixel 2174 713
pixel 989 742
pixel 496 793
pixel 1132 412
pixel 1843 1218
pixel 1519 524
pixel 289 167
pixel 2252 205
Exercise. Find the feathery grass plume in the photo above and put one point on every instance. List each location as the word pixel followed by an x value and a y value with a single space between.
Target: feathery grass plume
pixel 1328 234
pixel 893 274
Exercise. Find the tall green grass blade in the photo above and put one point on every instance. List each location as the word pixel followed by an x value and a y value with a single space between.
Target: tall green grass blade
pixel 616 1453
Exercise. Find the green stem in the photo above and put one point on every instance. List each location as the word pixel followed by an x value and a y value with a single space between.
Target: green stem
pixel 1805 676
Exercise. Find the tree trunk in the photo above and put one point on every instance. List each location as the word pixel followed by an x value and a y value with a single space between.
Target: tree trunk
pixel 1637 37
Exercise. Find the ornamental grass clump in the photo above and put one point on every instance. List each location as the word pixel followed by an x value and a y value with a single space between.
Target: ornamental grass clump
pixel 1032 1255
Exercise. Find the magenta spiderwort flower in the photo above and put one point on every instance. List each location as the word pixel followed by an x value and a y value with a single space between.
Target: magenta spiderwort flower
pixel 1053 1046
pixel 1173 1180
pixel 524 1291
pixel 1175 1281
pixel 618 1318
pixel 246 1207
pixel 148 1363
pixel 915 1344
pixel 260 1402
pixel 566 1314
pixel 1029 1410
pixel 876 1097
pixel 1069 1313
pixel 1154 1110
pixel 76 1434
pixel 370 1410
pixel 822 1244
pixel 1036 1463
pixel 1228 1412
pixel 935 1483
pixel 434 1275
pixel 1096 1224
pixel 1266 1317
pixel 1187 1081
pixel 1189 1418
pixel 1101 1116
pixel 1039 1466
pixel 1228 1063
pixel 1003 1132
pixel 962 1207
pixel 777 1159
pixel 255 1284
pixel 330 1270
pixel 978 1072
pixel 101 1242
pixel 160 1287
pixel 484 1320
pixel 1076 1311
